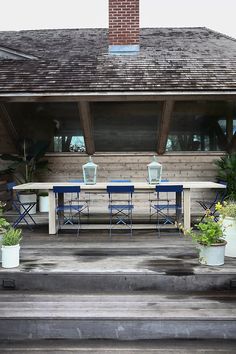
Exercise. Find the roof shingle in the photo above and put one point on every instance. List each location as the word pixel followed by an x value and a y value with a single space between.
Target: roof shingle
pixel 77 60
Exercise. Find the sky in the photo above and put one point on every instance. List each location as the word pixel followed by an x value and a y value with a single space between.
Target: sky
pixel 219 15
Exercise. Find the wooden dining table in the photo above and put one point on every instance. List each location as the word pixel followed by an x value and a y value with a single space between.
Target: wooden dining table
pixel 100 187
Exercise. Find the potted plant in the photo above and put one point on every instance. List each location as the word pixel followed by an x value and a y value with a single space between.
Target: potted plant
pixel 227 211
pixel 210 241
pixel 43 202
pixel 11 248
pixel 25 165
pixel 3 226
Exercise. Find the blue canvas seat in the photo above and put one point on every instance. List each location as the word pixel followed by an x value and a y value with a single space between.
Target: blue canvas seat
pixel 120 211
pixel 23 209
pixel 69 210
pixel 167 211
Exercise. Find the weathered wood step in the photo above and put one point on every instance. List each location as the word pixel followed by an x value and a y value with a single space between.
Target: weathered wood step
pixel 118 316
pixel 118 347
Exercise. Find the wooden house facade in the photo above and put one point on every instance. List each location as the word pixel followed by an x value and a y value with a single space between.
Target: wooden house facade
pixel 121 95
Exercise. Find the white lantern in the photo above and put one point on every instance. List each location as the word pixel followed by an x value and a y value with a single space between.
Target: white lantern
pixel 90 172
pixel 154 171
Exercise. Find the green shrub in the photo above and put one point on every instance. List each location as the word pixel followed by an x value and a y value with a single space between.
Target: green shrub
pixel 208 232
pixel 12 237
pixel 227 209
pixel 227 172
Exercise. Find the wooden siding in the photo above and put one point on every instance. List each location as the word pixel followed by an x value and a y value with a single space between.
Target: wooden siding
pixel 176 167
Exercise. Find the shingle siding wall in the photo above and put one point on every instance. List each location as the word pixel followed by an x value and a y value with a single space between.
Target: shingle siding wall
pixel 176 167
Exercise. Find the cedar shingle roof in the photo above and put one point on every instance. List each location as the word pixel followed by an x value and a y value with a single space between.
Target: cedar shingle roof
pixel 76 60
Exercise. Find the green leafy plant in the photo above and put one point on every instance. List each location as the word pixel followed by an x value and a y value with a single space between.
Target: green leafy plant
pixel 208 232
pixel 12 237
pixel 3 223
pixel 28 161
pixel 227 172
pixel 227 209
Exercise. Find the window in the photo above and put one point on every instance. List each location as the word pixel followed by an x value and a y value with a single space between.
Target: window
pixel 57 123
pixel 126 126
pixel 198 126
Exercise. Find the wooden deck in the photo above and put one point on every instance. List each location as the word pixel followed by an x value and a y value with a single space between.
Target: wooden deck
pixel 94 287
pixel 94 251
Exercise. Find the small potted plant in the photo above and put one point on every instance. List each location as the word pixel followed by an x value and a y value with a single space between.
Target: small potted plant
pixel 227 211
pixel 210 241
pixel 25 166
pixel 11 248
pixel 3 226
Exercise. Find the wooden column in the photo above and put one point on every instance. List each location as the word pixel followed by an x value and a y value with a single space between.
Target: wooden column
pixel 164 126
pixel 229 126
pixel 232 145
pixel 8 124
pixel 87 126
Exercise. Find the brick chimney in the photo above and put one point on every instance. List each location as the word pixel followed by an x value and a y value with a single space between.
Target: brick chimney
pixel 123 26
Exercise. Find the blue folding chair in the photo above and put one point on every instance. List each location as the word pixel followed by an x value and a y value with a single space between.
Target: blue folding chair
pixel 166 210
pixel 152 199
pixel 68 211
pixel 209 205
pixel 85 200
pixel 120 211
pixel 23 209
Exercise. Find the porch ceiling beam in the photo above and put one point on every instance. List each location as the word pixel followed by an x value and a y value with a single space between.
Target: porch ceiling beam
pixel 116 96
pixel 87 126
pixel 164 126
pixel 8 124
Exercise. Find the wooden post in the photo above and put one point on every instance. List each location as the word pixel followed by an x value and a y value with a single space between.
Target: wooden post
pixel 8 124
pixel 164 126
pixel 87 126
pixel 229 126
pixel 232 145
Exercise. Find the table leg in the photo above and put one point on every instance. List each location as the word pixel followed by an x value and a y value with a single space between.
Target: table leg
pixel 52 213
pixel 178 202
pixel 187 209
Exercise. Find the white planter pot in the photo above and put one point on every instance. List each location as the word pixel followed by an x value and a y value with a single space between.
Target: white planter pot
pixel 43 204
pixel 1 236
pixel 229 230
pixel 28 198
pixel 10 256
pixel 212 255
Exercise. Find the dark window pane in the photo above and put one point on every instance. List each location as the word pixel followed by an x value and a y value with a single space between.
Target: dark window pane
pixel 199 126
pixel 130 126
pixel 57 123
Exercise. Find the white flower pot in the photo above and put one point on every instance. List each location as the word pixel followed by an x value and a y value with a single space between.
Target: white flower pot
pixel 28 198
pixel 10 256
pixel 43 204
pixel 212 255
pixel 1 236
pixel 229 230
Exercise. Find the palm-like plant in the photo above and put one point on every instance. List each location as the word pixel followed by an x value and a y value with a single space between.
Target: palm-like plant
pixel 28 161
pixel 227 172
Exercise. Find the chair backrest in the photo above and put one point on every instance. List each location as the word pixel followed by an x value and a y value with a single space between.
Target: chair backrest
pixel 66 189
pixel 120 189
pixel 176 188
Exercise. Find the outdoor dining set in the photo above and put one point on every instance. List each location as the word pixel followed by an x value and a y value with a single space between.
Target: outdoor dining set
pixel 66 206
